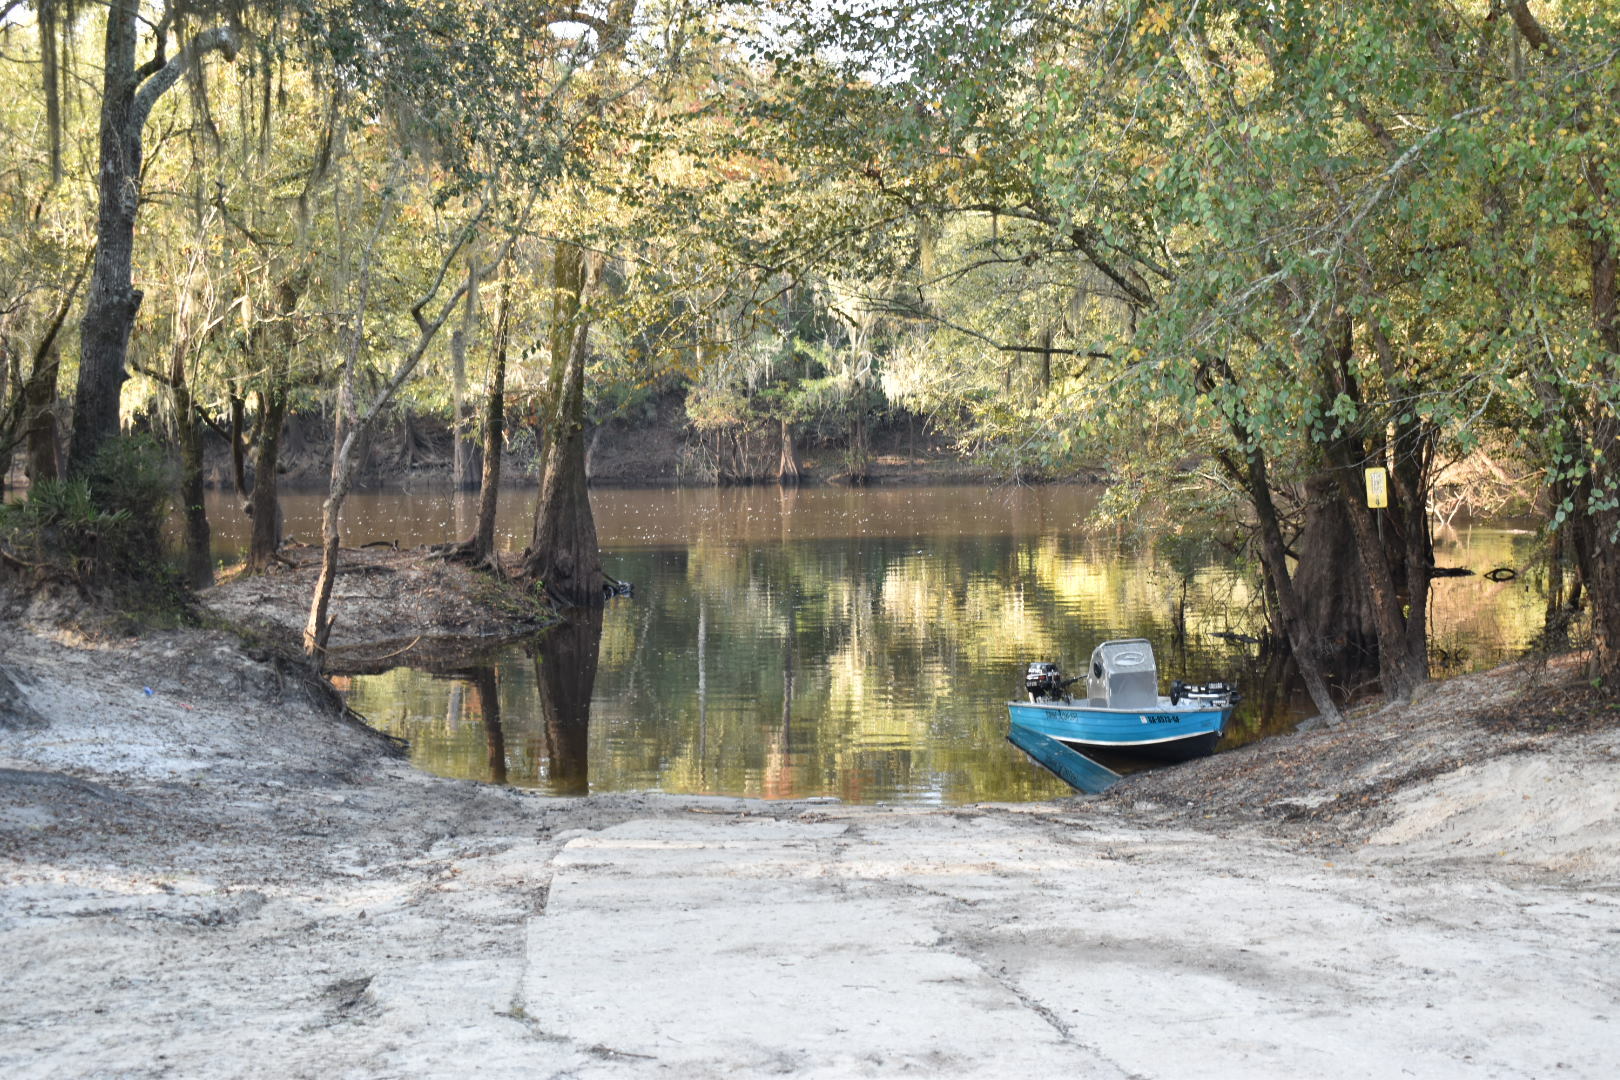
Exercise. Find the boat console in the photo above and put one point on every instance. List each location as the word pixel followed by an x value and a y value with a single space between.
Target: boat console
pixel 1123 675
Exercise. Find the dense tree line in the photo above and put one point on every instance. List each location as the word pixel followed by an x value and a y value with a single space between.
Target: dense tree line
pixel 1296 241
pixel 1238 254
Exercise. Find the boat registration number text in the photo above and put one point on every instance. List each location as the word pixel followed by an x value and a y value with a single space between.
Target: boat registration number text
pixel 1160 718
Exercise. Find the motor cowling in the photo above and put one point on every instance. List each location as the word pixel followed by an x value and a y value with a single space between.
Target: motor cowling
pixel 1043 681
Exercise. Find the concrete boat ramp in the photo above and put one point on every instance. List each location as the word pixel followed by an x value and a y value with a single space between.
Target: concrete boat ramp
pixel 991 942
pixel 762 947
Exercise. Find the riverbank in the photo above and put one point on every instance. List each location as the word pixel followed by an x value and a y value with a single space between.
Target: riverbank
pixel 206 870
pixel 1509 766
pixel 390 606
pixel 656 447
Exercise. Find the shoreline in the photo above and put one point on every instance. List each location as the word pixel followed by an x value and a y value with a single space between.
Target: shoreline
pixel 392 606
pixel 223 872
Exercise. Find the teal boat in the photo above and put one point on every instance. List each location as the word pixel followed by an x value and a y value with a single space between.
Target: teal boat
pixel 1123 710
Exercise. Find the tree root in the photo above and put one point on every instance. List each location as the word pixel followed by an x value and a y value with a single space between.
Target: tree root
pixel 466 553
pixel 21 564
pixel 276 557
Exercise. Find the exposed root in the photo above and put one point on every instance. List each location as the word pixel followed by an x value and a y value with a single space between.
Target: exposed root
pixel 466 553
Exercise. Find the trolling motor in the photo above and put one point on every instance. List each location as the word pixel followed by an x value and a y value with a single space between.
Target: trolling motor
pixel 1044 682
pixel 1214 694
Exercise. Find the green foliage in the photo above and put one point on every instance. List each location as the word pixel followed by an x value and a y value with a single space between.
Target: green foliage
pixel 60 525
pixel 103 531
pixel 1191 549
pixel 133 478
pixel 1120 236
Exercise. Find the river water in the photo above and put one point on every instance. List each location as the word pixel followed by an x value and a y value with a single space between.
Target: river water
pixel 850 643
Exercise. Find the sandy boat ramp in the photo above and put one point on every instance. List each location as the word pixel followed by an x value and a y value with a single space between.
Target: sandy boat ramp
pixel 222 878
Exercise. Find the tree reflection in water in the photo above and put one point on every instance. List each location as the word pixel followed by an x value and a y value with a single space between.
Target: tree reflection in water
pixel 862 646
pixel 487 689
pixel 565 678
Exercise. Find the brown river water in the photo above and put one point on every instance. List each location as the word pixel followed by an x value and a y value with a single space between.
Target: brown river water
pixel 857 644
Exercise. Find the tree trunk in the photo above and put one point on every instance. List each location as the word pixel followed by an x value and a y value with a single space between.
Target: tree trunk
pixel 199 537
pixel 1333 597
pixel 50 68
pixel 1413 453
pixel 237 406
pixel 350 430
pixel 1307 649
pixel 787 468
pixel 12 403
pixel 567 277
pixel 39 410
pixel 264 505
pixel 1402 634
pixel 459 342
pixel 44 458
pixel 128 94
pixel 347 429
pixel 110 308
pixel 489 488
pixel 1398 677
pixel 1554 623
pixel 858 463
pixel 318 630
pixel 1603 577
pixel 1045 371
pixel 347 435
pixel 563 556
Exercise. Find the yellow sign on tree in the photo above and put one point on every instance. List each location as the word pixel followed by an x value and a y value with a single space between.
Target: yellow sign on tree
pixel 1377 488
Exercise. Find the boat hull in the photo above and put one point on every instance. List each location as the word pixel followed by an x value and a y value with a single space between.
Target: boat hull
pixel 1171 732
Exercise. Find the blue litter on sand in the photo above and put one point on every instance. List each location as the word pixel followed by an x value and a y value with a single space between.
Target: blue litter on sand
pixel 1069 765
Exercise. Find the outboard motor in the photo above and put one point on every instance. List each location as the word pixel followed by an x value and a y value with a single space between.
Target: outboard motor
pixel 1123 675
pixel 1044 682
pixel 1215 695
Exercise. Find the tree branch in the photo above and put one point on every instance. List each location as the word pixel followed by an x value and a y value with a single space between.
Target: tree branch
pixel 573 15
pixel 1528 25
pixel 916 315
pixel 1086 241
pixel 221 39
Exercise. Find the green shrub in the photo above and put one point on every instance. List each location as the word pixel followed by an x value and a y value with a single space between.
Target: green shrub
pixel 60 527
pixel 103 531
